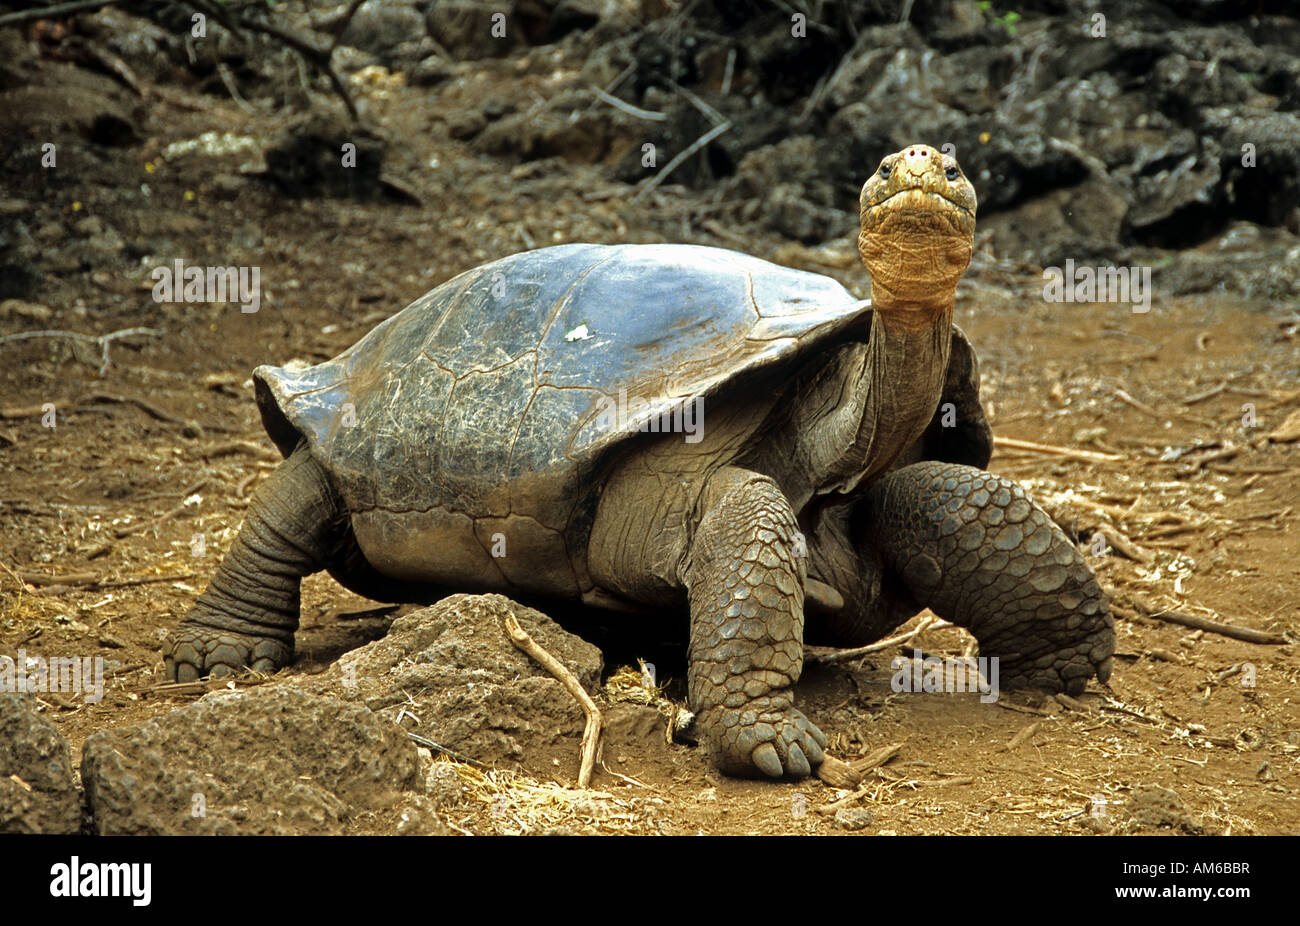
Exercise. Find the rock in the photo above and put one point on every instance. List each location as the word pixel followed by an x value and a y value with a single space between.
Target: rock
pixel 90 225
pixel 85 106
pixel 1083 222
pixel 443 784
pixel 379 26
pixel 49 232
pixel 1259 262
pixel 225 187
pixel 853 818
pixel 1177 200
pixel 787 211
pixel 466 27
pixel 309 159
pixel 270 761
pixel 627 723
pixel 452 675
pixel 465 124
pixel 1010 163
pixel 418 816
pixel 37 791
pixel 769 180
pixel 496 107
pixel 156 222
pixel 17 308
pixel 529 136
pixel 1153 807
pixel 863 74
pixel 1267 191
pixel 431 71
pixel 101 240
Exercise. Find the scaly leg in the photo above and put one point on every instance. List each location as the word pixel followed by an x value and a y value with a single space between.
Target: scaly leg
pixel 978 552
pixel 249 612
pixel 745 584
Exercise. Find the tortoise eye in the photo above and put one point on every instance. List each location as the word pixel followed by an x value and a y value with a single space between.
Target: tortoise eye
pixel 951 173
pixel 884 171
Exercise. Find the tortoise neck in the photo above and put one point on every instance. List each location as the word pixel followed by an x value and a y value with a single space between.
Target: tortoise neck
pixel 896 393
pixel 911 314
pixel 853 413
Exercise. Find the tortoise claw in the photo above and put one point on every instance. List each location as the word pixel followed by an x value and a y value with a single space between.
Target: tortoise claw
pixel 196 651
pixel 765 736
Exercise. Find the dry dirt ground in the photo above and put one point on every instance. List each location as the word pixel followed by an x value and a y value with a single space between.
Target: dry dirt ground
pixel 166 446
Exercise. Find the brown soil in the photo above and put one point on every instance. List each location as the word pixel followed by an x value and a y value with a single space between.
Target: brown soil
pixel 330 269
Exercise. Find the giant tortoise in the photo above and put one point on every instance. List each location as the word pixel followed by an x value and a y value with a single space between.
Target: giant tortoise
pixel 667 430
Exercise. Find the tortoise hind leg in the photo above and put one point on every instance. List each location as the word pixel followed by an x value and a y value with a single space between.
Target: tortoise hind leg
pixel 249 612
pixel 973 547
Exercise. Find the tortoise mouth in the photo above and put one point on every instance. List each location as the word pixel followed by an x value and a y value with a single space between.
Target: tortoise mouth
pixel 919 198
pixel 919 211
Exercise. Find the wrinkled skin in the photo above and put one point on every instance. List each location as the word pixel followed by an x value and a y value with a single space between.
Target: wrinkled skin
pixel 832 488
pixel 917 231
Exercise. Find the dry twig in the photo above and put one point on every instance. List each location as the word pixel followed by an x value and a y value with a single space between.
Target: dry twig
pixel 828 658
pixel 591 733
pixel 1085 456
pixel 102 340
pixel 1204 623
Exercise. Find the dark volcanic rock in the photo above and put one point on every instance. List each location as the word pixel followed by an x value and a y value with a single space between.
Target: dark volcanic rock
pixel 470 29
pixel 309 159
pixel 37 792
pixel 271 761
pixel 380 26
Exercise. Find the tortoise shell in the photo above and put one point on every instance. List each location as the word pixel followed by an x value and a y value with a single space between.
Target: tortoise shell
pixel 467 434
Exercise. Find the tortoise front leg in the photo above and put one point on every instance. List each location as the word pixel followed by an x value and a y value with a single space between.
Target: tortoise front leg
pixel 249 612
pixel 745 584
pixel 973 547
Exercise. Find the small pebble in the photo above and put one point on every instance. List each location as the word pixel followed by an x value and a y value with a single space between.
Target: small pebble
pixel 853 818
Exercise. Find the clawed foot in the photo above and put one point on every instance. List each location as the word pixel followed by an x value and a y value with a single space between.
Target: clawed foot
pixel 766 736
pixel 1065 669
pixel 195 651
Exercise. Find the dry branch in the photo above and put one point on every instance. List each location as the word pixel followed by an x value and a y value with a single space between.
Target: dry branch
pixel 591 733
pixel 1025 733
pixel 94 580
pixel 153 411
pixel 52 12
pixel 1143 407
pixel 824 658
pixel 836 773
pixel 677 161
pixel 876 759
pixel 844 801
pixel 1204 623
pixel 76 578
pixel 1085 456
pixel 102 340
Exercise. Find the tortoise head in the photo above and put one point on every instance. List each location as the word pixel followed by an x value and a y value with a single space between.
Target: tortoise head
pixel 918 231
